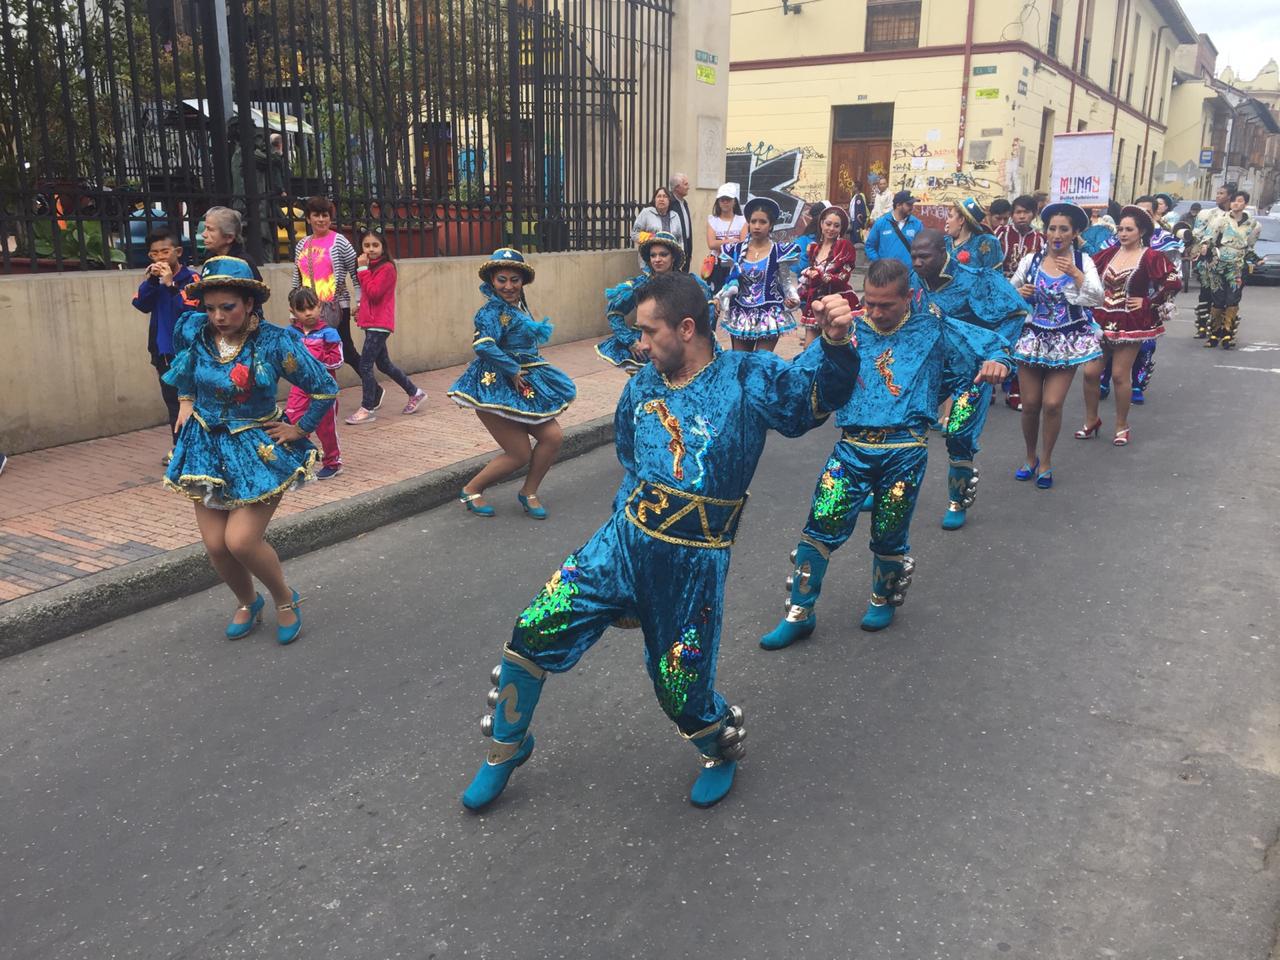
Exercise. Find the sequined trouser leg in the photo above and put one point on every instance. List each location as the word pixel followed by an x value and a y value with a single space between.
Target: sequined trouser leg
pixel 1144 365
pixel 892 474
pixel 621 573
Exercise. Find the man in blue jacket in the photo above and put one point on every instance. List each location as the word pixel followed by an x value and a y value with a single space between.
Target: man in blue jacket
pixel 889 238
pixel 160 295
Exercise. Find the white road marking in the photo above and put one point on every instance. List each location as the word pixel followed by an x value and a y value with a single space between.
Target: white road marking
pixel 1227 366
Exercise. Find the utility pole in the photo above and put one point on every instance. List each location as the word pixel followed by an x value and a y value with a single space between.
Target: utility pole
pixel 217 85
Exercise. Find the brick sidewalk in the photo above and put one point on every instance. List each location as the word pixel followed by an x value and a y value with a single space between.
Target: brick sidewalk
pixel 74 510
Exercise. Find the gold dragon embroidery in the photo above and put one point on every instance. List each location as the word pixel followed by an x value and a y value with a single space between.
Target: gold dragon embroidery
pixel 671 423
pixel 883 363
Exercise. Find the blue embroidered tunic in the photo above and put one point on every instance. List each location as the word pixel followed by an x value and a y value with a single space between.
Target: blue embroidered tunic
pixel 506 343
pixel 906 371
pixel 223 457
pixel 621 301
pixel 980 251
pixel 980 297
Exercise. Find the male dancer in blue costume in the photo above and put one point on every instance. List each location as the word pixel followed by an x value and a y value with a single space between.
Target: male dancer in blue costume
pixel 690 428
pixel 910 352
pixel 982 297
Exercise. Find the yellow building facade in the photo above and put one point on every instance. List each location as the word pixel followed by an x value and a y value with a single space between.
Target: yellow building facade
pixel 947 99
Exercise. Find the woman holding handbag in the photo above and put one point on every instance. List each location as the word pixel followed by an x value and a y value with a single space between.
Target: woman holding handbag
pixel 323 261
pixel 725 225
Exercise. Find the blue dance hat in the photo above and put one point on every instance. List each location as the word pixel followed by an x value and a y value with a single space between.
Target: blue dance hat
pixel 770 208
pixel 227 272
pixel 506 258
pixel 1076 214
pixel 972 211
pixel 663 239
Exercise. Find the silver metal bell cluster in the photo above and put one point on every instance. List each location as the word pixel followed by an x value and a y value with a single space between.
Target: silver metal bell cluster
pixel 486 722
pixel 897 595
pixel 730 739
pixel 970 491
pixel 801 574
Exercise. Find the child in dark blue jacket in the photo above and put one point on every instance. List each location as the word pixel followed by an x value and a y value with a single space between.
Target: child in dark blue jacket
pixel 160 294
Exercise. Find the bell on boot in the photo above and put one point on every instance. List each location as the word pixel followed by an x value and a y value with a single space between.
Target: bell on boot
pixel 517 688
pixel 720 747
pixel 804 585
pixel 962 489
pixel 890 578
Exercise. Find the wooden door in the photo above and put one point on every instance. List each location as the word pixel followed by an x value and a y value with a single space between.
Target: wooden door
pixel 853 161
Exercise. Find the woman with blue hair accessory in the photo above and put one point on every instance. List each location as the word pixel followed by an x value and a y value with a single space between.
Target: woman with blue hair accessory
pixel 516 394
pixel 969 240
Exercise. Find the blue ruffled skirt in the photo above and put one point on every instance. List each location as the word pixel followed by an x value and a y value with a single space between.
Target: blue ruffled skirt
pixel 483 386
pixel 616 352
pixel 225 470
pixel 755 323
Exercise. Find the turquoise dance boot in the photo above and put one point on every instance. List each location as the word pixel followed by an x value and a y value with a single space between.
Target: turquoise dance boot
pixel 517 687
pixel 889 581
pixel 962 490
pixel 721 747
pixel 804 584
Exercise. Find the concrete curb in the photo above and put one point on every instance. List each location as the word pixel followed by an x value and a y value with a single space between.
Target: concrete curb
pixel 40 618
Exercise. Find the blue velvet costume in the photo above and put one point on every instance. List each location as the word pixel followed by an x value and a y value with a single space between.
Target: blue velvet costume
pixel 621 301
pixel 661 560
pixel 984 250
pixel 756 291
pixel 506 343
pixel 882 450
pixel 223 458
pixel 986 299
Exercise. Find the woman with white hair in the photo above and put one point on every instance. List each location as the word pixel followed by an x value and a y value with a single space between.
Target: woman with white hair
pixel 223 236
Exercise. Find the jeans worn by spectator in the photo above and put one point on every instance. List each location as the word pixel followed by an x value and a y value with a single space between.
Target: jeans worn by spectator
pixel 375 354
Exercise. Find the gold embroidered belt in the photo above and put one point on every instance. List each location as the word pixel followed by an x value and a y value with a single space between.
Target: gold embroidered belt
pixel 885 438
pixel 686 519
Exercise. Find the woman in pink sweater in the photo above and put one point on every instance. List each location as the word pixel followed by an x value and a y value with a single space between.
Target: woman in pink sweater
pixel 376 316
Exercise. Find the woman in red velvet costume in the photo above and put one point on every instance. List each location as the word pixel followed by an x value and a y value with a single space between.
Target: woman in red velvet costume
pixel 831 258
pixel 1136 280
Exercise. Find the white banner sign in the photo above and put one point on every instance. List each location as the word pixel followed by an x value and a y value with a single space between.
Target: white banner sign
pixel 1082 168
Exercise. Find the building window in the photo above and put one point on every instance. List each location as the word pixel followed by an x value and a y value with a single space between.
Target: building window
pixel 1084 56
pixel 893 24
pixel 1055 27
pixel 865 121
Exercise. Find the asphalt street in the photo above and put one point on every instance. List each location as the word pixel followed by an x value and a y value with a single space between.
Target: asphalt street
pixel 1067 746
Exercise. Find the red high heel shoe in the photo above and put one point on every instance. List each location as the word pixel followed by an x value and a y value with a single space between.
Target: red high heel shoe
pixel 1088 433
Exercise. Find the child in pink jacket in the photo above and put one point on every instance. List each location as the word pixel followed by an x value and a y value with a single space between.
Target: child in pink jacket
pixel 323 343
pixel 376 316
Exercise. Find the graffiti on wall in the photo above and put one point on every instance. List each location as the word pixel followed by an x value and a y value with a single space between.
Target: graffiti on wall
pixel 931 173
pixel 781 175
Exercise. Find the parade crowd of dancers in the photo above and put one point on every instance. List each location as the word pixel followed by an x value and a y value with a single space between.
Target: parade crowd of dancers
pixel 944 319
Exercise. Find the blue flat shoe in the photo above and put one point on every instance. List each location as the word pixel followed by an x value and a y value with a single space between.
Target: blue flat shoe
pixel 236 631
pixel 467 500
pixel 713 784
pixel 1137 396
pixel 491 779
pixel 1027 470
pixel 868 504
pixel 532 506
pixel 286 635
pixel 788 631
pixel 1044 480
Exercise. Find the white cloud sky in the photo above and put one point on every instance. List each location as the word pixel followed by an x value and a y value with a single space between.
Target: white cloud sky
pixel 1246 32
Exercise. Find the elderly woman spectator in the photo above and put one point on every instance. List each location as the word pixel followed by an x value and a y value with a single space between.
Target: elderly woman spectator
pixel 223 236
pixel 323 261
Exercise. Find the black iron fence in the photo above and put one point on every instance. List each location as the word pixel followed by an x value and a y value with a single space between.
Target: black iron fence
pixel 454 125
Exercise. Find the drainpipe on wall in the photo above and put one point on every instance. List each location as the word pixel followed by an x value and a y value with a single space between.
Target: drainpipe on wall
pixel 964 86
pixel 1151 98
pixel 1075 61
pixel 1115 114
pixel 1124 47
